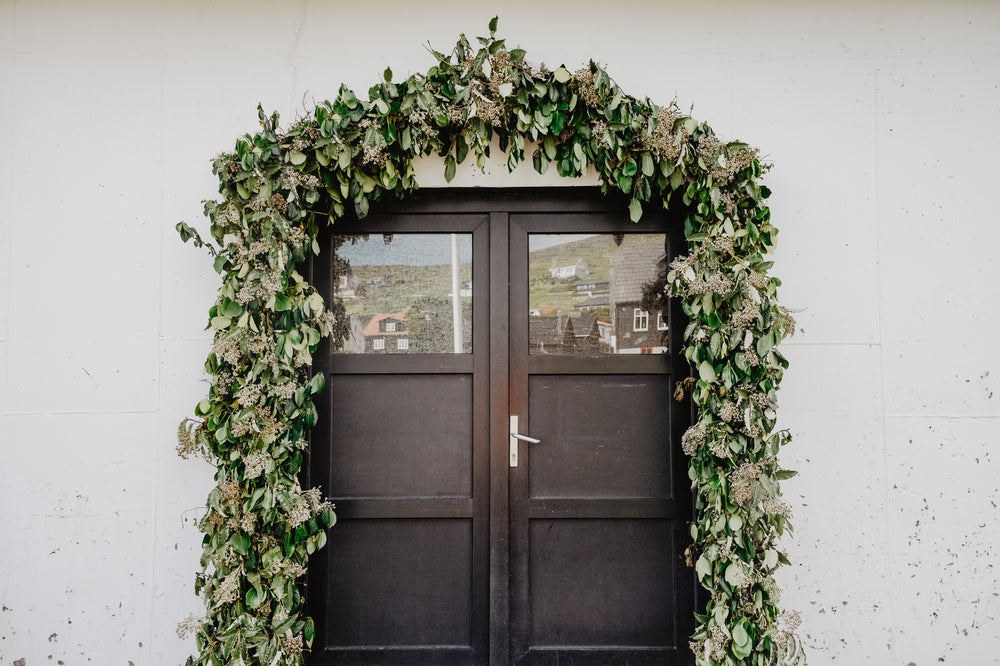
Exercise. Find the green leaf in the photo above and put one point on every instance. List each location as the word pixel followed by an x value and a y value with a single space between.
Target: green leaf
pixel 493 24
pixel 309 631
pixel 549 145
pixel 735 523
pixel 282 303
pixel 740 635
pixel 783 474
pixel 562 75
pixel 296 158
pixel 647 164
pixel 735 575
pixel 240 543
pixel 703 567
pixel 707 372
pixel 635 210
pixel 221 323
pixel 387 75
pixel 449 167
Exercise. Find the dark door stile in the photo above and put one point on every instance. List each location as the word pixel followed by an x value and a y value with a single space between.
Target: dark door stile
pixel 499 509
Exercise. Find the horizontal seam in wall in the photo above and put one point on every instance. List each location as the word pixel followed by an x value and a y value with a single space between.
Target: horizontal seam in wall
pixel 82 412
pixel 949 417
pixel 792 343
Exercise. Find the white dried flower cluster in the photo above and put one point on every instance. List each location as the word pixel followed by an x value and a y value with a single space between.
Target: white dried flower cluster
pixel 720 448
pixel 289 645
pixel 750 358
pixel 228 349
pixel 729 412
pixel 189 626
pixel 299 514
pixel 775 506
pixel 296 177
pixel 248 395
pixel 224 382
pixel 757 280
pixel 586 90
pixel 662 140
pixel 723 243
pixel 420 119
pixel 599 132
pixel 716 645
pixel 747 316
pixel 717 283
pixel 746 471
pixel 692 439
pixel 255 463
pixel 741 493
pixel 241 427
pixel 285 391
pixel 187 439
pixel 229 589
pixel 258 344
pixel 751 429
pixel 286 569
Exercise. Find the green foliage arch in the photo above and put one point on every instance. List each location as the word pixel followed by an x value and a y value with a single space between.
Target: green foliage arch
pixel 279 186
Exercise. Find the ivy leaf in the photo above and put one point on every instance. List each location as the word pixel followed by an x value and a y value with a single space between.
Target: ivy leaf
pixel 702 567
pixel 707 372
pixel 282 303
pixel 221 323
pixel 309 631
pixel 635 210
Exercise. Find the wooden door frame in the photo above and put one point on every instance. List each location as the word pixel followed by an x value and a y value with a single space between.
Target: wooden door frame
pixel 498 205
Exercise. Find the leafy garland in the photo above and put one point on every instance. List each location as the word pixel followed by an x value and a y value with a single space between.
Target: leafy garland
pixel 277 189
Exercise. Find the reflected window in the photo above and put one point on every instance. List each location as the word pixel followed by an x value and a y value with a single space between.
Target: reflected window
pixel 640 320
pixel 403 293
pixel 585 293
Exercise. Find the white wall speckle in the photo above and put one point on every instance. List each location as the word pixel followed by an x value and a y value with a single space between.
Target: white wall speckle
pixel 880 118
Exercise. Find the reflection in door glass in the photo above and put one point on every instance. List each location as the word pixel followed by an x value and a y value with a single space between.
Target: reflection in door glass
pixel 585 293
pixel 403 293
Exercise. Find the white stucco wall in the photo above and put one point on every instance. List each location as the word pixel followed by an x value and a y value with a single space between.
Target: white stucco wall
pixel 880 118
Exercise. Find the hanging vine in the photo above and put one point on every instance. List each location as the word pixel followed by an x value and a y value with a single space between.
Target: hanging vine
pixel 279 186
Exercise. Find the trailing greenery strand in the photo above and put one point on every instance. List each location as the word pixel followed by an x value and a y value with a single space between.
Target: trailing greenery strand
pixel 278 187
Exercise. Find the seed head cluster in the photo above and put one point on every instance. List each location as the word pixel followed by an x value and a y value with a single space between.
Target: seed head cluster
pixel 663 141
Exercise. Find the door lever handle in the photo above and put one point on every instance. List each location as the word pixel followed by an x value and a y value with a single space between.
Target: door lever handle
pixel 514 437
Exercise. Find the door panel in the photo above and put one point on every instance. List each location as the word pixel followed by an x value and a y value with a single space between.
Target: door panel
pixel 415 580
pixel 603 435
pixel 390 425
pixel 600 582
pixel 444 553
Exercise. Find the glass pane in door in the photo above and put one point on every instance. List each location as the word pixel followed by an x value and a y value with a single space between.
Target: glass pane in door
pixel 586 291
pixel 403 293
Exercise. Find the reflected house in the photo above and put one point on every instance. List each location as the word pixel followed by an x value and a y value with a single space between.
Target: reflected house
pixel 564 334
pixel 592 303
pixel 386 333
pixel 591 287
pixel 577 270
pixel 347 288
pixel 637 331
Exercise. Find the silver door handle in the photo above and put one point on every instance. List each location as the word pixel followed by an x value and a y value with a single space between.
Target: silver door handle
pixel 514 437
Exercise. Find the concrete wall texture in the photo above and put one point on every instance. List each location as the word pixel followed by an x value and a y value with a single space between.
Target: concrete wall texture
pixel 880 118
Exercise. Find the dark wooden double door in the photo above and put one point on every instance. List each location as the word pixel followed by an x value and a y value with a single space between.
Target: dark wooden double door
pixel 446 553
